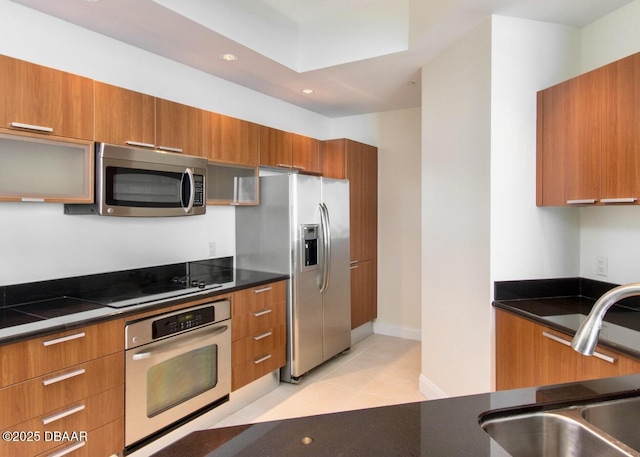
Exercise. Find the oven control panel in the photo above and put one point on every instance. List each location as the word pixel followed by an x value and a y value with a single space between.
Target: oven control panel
pixel 147 330
pixel 181 322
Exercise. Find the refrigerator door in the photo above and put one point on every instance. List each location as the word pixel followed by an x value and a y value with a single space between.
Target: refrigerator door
pixel 306 313
pixel 337 297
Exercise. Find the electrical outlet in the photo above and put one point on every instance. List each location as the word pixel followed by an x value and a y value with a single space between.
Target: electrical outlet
pixel 602 266
pixel 212 248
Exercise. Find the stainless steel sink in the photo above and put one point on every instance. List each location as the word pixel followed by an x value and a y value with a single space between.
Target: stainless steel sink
pixel 606 429
pixel 618 418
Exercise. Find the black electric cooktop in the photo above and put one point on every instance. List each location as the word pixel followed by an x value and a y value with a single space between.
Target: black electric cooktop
pixel 41 310
pixel 34 302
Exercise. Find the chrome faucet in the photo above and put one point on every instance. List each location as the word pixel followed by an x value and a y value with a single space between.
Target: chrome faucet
pixel 586 337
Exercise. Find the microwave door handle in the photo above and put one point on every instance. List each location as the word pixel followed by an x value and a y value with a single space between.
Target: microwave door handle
pixel 192 190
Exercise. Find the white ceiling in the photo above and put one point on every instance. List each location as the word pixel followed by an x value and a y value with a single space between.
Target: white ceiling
pixel 360 56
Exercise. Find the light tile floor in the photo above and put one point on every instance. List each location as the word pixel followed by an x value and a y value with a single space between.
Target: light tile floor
pixel 378 371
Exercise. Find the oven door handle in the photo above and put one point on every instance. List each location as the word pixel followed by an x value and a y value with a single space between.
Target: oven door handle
pixel 186 341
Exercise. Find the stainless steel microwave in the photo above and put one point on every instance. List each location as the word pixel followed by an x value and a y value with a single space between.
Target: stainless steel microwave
pixel 145 182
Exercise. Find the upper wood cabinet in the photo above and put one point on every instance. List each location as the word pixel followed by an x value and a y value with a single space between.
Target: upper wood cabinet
pixel 46 101
pixel 182 128
pixel 235 141
pixel 275 147
pixel 123 116
pixel 305 154
pixel 587 140
pixel 620 159
pixel 289 150
pixel 358 162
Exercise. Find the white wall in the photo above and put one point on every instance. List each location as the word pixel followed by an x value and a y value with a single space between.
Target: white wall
pixel 527 242
pixel 456 148
pixel 397 134
pixel 37 241
pixel 480 222
pixel 611 232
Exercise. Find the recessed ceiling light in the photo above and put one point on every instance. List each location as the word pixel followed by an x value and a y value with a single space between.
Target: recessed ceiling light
pixel 307 91
pixel 229 57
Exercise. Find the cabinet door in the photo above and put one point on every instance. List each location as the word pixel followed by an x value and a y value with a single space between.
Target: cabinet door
pixel 45 168
pixel 550 147
pixel 275 147
pixel 362 172
pixel 333 158
pixel 44 100
pixel 306 154
pixel 239 142
pixel 364 304
pixel 620 135
pixel 514 351
pixel 583 137
pixel 182 129
pixel 124 116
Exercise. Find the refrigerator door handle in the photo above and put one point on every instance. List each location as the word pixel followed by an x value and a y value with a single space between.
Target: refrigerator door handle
pixel 326 242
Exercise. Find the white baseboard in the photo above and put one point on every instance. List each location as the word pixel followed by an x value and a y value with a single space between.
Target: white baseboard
pixel 429 389
pixel 400 332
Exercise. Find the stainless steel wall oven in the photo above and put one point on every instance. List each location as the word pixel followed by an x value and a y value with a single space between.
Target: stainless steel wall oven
pixel 178 365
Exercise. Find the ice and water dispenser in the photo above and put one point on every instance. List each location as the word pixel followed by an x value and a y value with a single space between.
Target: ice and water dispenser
pixel 309 246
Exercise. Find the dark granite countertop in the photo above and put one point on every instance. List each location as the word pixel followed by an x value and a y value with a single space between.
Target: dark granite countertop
pixel 433 428
pixel 562 304
pixel 37 309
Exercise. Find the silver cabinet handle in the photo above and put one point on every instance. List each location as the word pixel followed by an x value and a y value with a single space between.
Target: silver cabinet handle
pixel 596 354
pixel 68 450
pixel 62 415
pixel 262 359
pixel 298 167
pixel 586 201
pixel 284 165
pixel 37 128
pixel 264 289
pixel 170 149
pixel 353 267
pixel 63 339
pixel 262 336
pixel 262 313
pixel 619 200
pixel 141 145
pixel 62 377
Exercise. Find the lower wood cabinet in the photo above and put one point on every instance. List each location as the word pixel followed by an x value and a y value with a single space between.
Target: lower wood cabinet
pixel 64 392
pixel 364 303
pixel 258 332
pixel 529 354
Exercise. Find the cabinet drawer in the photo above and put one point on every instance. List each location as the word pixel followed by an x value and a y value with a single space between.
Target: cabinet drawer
pixel 255 346
pixel 38 356
pixel 249 324
pixel 102 442
pixel 54 391
pixel 258 298
pixel 257 310
pixel 81 416
pixel 253 369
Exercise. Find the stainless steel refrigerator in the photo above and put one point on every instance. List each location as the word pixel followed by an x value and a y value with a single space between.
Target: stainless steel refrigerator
pixel 301 228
